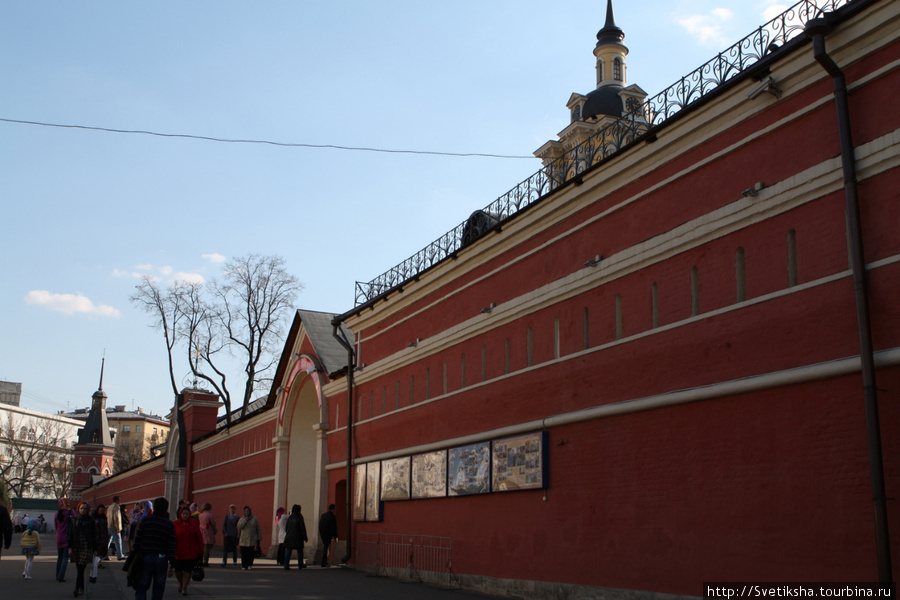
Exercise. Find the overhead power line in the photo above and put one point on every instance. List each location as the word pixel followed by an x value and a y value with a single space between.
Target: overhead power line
pixel 267 142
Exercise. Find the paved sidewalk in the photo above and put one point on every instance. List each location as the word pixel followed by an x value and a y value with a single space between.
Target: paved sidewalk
pixel 265 581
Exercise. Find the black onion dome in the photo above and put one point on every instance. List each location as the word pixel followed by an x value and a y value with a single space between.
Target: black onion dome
pixel 610 34
pixel 603 101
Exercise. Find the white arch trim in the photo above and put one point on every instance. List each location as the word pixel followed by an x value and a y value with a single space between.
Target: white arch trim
pixel 305 364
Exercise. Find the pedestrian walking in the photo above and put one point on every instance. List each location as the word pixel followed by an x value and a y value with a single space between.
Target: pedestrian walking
pixel 280 520
pixel 188 548
pixel 250 537
pixel 31 547
pixel 61 523
pixel 17 522
pixel 327 531
pixel 155 543
pixel 102 532
pixel 134 520
pixel 294 537
pixel 114 526
pixel 6 529
pixel 208 530
pixel 82 543
pixel 230 535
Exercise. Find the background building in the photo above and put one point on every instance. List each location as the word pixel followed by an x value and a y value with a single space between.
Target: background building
pixel 10 393
pixel 137 433
pixel 36 452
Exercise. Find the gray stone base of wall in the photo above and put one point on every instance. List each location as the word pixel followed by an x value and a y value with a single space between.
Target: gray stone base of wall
pixel 519 588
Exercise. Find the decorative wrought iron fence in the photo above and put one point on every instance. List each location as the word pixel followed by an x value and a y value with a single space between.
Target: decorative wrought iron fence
pixel 655 111
pixel 408 556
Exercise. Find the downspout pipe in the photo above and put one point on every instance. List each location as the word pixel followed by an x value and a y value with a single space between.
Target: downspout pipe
pixel 816 30
pixel 342 340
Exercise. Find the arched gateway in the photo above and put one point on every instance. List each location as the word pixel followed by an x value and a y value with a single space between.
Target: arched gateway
pixel 301 449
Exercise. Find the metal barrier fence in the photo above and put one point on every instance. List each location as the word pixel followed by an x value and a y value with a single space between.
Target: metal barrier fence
pixel 407 556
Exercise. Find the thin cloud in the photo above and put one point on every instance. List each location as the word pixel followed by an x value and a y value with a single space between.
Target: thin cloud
pixel 189 278
pixel 773 10
pixel 131 274
pixel 70 303
pixel 708 29
pixel 164 273
pixel 215 257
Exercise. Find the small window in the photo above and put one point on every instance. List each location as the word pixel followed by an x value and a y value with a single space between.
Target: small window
pixel 137 428
pixel 617 69
pixel 576 113
pixel 126 428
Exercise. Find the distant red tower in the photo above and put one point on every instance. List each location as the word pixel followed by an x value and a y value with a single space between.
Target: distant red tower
pixel 94 449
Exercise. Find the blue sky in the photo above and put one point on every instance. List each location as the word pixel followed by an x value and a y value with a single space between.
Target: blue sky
pixel 85 212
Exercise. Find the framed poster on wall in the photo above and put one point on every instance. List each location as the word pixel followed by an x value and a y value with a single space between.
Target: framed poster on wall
pixel 373 491
pixel 395 479
pixel 429 475
pixel 359 493
pixel 520 462
pixel 469 469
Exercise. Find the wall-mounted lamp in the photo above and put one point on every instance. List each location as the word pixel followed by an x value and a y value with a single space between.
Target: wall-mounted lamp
pixel 413 344
pixel 488 309
pixel 753 191
pixel 594 261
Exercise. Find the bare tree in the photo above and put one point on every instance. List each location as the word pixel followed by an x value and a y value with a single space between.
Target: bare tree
pixel 255 297
pixel 36 458
pixel 129 453
pixel 240 318
pixel 168 311
pixel 59 472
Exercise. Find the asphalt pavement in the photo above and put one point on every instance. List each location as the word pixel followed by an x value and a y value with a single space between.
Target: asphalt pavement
pixel 265 580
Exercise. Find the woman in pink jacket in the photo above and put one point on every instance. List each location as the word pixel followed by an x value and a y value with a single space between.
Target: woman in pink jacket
pixel 208 530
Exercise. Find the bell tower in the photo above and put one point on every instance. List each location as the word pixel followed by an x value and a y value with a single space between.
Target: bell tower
pixel 610 52
pixel 94 448
pixel 610 101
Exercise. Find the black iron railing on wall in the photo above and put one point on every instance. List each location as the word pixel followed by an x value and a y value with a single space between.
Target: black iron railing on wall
pixel 609 140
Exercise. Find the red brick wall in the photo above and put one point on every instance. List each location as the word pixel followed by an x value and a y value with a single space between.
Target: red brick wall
pixel 772 485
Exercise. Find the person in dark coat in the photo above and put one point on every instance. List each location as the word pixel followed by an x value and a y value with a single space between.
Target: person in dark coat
pixel 6 529
pixel 82 543
pixel 102 529
pixel 327 531
pixel 294 537
pixel 155 544
pixel 230 534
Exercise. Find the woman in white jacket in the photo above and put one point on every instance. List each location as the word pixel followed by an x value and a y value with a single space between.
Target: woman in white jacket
pixel 250 537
